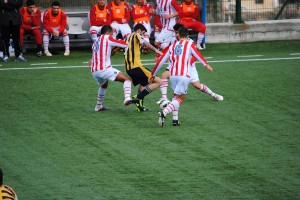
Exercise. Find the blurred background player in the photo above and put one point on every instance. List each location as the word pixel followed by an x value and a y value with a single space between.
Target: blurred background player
pixel 31 24
pixel 188 16
pixel 120 12
pixel 194 77
pixel 141 13
pixel 134 67
pixel 157 24
pixel 10 21
pixel 102 69
pixel 55 23
pixel 99 16
pixel 6 192
pixel 180 52
pixel 166 9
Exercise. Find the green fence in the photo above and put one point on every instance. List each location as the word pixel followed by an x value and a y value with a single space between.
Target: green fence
pixel 217 10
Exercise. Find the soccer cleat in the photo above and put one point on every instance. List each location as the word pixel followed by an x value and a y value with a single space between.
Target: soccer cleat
pixel 161 118
pixel 5 59
pixel 131 101
pixel 101 109
pixel 161 100
pixel 175 123
pixel 199 47
pixel 39 53
pixel 217 97
pixel 67 53
pixel 21 58
pixel 47 53
pixel 140 107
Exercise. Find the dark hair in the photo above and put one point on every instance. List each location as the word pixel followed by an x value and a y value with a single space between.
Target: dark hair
pixel 1 177
pixel 139 26
pixel 183 32
pixel 55 3
pixel 30 3
pixel 106 29
pixel 176 27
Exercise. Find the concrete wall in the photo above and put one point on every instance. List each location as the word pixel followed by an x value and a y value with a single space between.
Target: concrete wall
pixel 253 31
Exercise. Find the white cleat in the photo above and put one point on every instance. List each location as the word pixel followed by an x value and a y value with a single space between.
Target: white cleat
pixel 160 100
pixel 217 97
pixel 47 53
pixel 199 47
pixel 67 53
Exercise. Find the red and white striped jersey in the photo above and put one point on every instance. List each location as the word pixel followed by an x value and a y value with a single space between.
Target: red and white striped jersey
pixel 102 52
pixel 179 55
pixel 167 7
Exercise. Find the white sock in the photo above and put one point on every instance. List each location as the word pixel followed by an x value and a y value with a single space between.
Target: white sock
pixel 173 105
pixel 46 39
pixel 164 88
pixel 200 38
pixel 66 41
pixel 205 89
pixel 127 90
pixel 101 94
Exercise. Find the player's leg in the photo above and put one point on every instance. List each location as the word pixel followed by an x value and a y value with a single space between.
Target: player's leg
pixel 101 94
pixel 116 29
pixel 22 33
pixel 38 39
pixel 46 39
pixel 164 39
pixel 125 30
pixel 94 32
pixel 201 29
pixel 164 84
pixel 66 41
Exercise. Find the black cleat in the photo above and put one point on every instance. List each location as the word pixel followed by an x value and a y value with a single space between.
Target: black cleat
pixel 175 123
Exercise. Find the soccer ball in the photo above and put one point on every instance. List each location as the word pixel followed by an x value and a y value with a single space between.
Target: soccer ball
pixel 163 103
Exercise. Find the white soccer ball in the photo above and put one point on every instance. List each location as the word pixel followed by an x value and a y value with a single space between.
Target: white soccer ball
pixel 163 103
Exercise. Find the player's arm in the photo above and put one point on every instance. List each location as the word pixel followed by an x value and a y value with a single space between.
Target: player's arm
pixel 117 43
pixel 46 22
pixel 200 58
pixel 160 63
pixel 150 46
pixel 63 23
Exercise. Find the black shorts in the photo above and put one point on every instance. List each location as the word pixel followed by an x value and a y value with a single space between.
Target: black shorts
pixel 139 75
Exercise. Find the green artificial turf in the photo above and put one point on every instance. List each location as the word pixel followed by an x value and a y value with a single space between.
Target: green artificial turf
pixel 53 145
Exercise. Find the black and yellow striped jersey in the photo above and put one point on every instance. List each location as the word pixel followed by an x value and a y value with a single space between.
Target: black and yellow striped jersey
pixel 133 53
pixel 8 193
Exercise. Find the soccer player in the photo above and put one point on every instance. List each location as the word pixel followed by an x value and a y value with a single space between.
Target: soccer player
pixel 141 13
pixel 6 192
pixel 194 77
pixel 31 24
pixel 55 23
pixel 188 16
pixel 120 13
pixel 102 69
pixel 99 16
pixel 134 67
pixel 179 55
pixel 167 11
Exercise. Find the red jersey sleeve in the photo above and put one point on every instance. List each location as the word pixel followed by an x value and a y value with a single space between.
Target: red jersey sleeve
pixel 63 23
pixel 46 22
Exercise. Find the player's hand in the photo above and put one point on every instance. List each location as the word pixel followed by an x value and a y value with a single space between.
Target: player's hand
pixel 151 79
pixel 124 21
pixel 209 68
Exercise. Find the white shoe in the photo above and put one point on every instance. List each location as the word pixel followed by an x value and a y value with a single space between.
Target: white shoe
pixel 217 97
pixel 161 99
pixel 67 53
pixel 47 53
pixel 199 47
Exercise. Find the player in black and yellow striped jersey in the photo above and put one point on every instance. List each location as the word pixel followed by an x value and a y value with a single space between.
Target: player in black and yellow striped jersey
pixel 134 67
pixel 6 192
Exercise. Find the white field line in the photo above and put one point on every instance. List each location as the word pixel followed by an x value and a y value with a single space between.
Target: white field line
pixel 44 64
pixel 146 64
pixel 249 56
pixel 294 54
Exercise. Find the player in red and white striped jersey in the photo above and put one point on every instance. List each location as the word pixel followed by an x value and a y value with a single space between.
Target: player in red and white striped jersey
pixel 167 11
pixel 194 79
pixel 102 69
pixel 179 55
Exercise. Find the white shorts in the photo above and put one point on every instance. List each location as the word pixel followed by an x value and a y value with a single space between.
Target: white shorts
pixel 179 84
pixel 123 28
pixel 96 28
pixel 194 77
pixel 108 74
pixel 166 36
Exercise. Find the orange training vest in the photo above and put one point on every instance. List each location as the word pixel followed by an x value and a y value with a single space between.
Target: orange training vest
pixel 118 11
pixel 27 16
pixel 188 8
pixel 140 10
pixel 54 20
pixel 100 14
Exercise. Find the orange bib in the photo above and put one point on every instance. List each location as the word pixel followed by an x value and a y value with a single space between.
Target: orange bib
pixel 118 11
pixel 54 20
pixel 27 16
pixel 100 14
pixel 140 10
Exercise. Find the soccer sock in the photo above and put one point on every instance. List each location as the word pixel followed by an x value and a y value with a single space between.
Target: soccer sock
pixel 205 89
pixel 127 89
pixel 144 93
pixel 101 94
pixel 164 88
pixel 46 41
pixel 66 41
pixel 200 38
pixel 173 105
